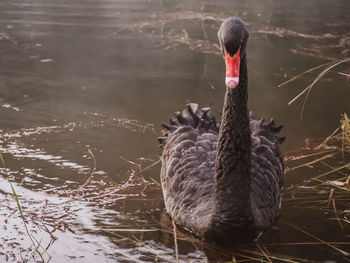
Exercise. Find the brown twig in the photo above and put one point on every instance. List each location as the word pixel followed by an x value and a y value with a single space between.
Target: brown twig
pixel 138 165
pixel 140 172
pixel 307 71
pixel 175 242
pixel 295 158
pixel 331 167
pixel 305 243
pixel 345 253
pixel 312 162
pixel 346 75
pixel 150 166
pixel 39 245
pixel 309 88
pixel 93 170
pixel 336 215
pixel 330 197
pixel 327 139
pixel 262 251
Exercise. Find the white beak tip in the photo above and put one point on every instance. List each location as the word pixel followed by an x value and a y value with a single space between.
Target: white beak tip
pixel 231 82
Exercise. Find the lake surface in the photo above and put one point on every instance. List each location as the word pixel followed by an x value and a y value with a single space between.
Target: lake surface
pixel 94 79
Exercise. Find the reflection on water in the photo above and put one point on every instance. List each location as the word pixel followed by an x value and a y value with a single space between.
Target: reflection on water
pixel 103 75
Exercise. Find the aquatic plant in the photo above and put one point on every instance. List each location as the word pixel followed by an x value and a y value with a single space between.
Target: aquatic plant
pixel 345 127
pixel 31 237
pixel 307 90
pixel 35 243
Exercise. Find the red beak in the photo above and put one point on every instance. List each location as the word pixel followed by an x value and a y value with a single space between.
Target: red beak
pixel 232 69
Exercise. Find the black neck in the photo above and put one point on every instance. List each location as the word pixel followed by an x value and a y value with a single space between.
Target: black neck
pixel 233 158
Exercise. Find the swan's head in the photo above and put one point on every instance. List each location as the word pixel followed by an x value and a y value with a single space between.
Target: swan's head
pixel 233 37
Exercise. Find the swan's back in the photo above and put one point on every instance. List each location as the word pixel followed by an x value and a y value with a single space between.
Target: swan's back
pixel 267 174
pixel 187 173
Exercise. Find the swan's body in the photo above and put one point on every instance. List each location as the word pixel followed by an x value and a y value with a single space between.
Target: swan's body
pixel 224 185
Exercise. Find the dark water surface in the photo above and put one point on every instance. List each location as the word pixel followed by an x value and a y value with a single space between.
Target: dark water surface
pixel 104 74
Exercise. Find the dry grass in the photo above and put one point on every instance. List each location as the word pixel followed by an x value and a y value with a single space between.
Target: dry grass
pixel 93 170
pixel 329 66
pixel 345 127
pixel 327 189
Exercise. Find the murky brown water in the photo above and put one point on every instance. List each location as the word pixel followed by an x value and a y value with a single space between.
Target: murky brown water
pixel 104 74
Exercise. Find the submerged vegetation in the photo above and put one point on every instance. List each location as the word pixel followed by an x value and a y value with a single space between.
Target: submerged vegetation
pixel 36 245
pixel 327 163
pixel 345 127
pixel 329 160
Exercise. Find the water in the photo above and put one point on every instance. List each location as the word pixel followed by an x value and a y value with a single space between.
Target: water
pixel 103 75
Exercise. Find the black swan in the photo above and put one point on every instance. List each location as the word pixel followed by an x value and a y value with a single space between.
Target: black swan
pixel 223 185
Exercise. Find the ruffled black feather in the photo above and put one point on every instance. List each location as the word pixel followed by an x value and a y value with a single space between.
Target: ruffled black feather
pixel 204 121
pixel 200 119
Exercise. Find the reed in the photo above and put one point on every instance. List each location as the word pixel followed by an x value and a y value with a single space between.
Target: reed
pixel 345 127
pixel 35 243
pixel 328 67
